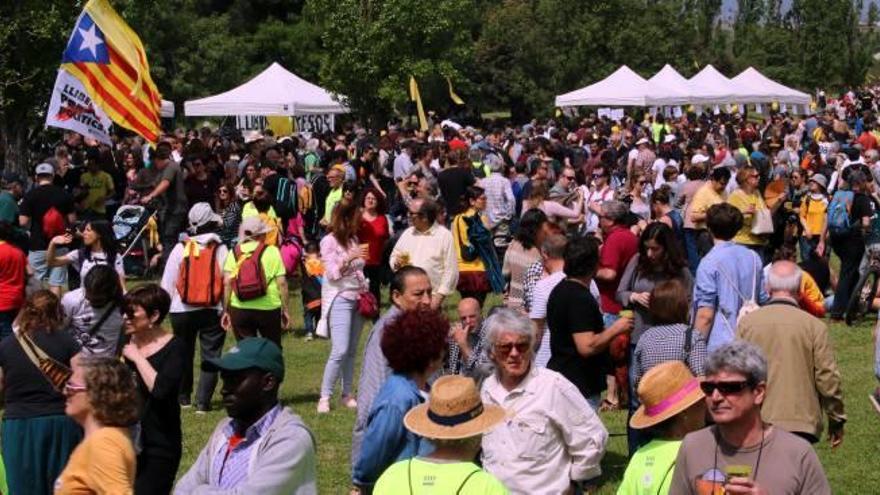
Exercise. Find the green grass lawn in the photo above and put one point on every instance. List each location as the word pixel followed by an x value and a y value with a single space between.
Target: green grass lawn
pixel 851 468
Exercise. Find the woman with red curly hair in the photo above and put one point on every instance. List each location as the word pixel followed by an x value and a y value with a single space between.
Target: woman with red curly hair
pixel 414 344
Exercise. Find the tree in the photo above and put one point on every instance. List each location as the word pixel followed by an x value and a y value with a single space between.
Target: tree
pixel 33 35
pixel 374 46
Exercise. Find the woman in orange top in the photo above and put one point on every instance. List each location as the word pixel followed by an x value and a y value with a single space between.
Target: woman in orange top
pixel 102 398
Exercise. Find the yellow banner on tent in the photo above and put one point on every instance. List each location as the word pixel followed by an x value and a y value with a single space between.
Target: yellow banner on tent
pixel 280 125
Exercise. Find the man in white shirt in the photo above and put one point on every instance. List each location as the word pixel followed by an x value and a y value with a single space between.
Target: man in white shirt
pixel 551 252
pixel 430 247
pixel 599 193
pixel 403 163
pixel 551 438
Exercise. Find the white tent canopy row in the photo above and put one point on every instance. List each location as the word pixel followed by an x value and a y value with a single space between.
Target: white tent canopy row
pixel 274 92
pixel 708 87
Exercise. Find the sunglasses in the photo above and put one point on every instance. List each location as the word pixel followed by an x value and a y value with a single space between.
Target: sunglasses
pixel 724 388
pixel 505 349
pixel 568 177
pixel 598 176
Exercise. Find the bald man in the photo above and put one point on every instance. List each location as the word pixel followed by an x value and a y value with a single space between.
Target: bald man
pixel 803 373
pixel 466 343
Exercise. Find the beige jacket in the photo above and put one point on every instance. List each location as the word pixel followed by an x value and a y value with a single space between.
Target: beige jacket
pixel 803 379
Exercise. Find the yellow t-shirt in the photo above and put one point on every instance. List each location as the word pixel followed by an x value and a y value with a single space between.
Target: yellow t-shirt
pixel 460 238
pixel 813 212
pixel 273 267
pixel 703 200
pixel 100 187
pixel 104 462
pixel 745 202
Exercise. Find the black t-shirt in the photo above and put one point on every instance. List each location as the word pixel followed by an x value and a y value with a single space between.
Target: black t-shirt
pixel 161 434
pixel 453 182
pixel 36 203
pixel 862 206
pixel 70 180
pixel 28 392
pixel 572 309
pixel 200 191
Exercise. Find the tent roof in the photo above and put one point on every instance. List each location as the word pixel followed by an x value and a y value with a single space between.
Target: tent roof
pixel 275 91
pixel 668 87
pixel 167 109
pixel 766 89
pixel 622 88
pixel 711 87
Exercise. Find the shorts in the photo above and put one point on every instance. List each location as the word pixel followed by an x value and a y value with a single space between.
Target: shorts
pixel 57 276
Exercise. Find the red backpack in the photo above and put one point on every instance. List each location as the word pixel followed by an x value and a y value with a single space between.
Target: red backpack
pixel 250 283
pixel 53 223
pixel 199 281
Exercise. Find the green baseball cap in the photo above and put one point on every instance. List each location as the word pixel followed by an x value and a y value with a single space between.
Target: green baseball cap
pixel 252 352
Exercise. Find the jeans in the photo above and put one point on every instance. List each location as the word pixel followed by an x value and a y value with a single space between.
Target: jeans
pixel 204 324
pixel 807 247
pixel 850 252
pixel 345 331
pixel 172 226
pixel 57 276
pixel 6 319
pixel 634 438
pixel 690 248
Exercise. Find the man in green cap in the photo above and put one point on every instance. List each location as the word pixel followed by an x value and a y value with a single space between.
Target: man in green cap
pixel 262 447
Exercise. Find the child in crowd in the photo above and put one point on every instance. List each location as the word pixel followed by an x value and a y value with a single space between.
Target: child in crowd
pixel 313 273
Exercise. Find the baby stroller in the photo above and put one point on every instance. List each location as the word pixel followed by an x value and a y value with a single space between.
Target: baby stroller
pixel 129 224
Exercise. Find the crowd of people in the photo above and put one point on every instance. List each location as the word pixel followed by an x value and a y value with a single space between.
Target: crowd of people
pixel 674 268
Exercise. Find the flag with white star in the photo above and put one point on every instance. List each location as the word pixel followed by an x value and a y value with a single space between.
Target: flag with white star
pixel 108 58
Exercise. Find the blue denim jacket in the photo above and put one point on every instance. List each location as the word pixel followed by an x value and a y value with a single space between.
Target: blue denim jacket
pixel 386 440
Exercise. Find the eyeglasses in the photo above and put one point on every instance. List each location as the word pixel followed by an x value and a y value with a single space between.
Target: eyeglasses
pixel 725 388
pixel 70 388
pixel 414 214
pixel 505 349
pixel 598 176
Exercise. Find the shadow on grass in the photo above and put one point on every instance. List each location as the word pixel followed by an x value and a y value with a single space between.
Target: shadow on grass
pixel 613 466
pixel 297 399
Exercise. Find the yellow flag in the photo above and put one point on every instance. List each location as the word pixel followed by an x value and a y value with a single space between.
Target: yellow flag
pixel 414 96
pixel 455 98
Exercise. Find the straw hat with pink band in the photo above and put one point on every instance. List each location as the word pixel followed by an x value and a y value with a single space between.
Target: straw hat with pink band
pixel 666 390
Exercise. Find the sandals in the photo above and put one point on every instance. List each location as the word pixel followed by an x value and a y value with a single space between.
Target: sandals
pixel 607 406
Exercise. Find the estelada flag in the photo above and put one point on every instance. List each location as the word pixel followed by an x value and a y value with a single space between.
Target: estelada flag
pixel 109 60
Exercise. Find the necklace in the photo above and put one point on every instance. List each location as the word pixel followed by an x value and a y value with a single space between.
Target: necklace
pixel 757 462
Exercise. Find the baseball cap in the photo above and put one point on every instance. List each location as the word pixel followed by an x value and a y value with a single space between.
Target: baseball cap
pixel 642 141
pixel 10 177
pixel 201 214
pixel 252 352
pixel 44 169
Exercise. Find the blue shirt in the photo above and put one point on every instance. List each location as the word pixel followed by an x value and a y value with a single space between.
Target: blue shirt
pixel 232 465
pixel 386 440
pixel 722 267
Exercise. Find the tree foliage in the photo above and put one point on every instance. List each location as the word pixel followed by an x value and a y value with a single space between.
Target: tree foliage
pixel 500 54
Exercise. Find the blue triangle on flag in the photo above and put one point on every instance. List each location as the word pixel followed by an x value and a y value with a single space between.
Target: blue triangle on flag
pixel 86 43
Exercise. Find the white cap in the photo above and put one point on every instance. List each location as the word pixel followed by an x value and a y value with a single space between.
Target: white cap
pixel 642 141
pixel 44 169
pixel 201 214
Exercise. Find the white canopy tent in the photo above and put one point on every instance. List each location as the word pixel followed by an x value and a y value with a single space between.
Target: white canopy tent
pixel 668 87
pixel 765 89
pixel 167 109
pixel 622 88
pixel 710 87
pixel 274 92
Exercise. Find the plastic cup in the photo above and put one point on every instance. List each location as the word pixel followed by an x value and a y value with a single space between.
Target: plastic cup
pixel 626 313
pixel 738 471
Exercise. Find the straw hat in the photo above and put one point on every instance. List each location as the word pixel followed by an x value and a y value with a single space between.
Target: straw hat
pixel 453 411
pixel 666 390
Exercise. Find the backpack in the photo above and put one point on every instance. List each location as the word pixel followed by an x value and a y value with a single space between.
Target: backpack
pixel 53 223
pixel 838 212
pixel 250 281
pixel 199 281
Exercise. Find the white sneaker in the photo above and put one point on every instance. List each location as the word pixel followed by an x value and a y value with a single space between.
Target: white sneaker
pixel 348 401
pixel 324 405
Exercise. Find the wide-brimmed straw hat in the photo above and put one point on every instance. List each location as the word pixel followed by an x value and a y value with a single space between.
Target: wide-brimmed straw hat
pixel 666 390
pixel 453 411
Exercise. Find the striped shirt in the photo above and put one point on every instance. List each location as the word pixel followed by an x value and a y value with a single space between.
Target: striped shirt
pixel 232 459
pixel 533 274
pixel 538 311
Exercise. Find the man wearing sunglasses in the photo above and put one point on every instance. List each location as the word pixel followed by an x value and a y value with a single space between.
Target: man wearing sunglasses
pixel 552 438
pixel 742 453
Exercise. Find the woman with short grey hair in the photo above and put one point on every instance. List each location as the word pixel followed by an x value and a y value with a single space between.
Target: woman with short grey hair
pixel 507 320
pixel 741 357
